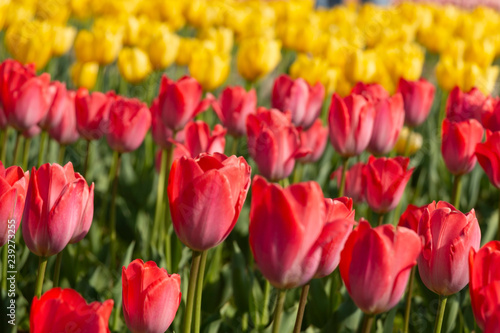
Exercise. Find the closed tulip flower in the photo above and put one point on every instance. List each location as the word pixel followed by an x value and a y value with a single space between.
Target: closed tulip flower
pixel 297 96
pixel 206 196
pixel 273 143
pixel 24 95
pixel 468 105
pixel 162 135
pixel 350 122
pixel 354 187
pixel 233 107
pixel 13 186
pixel 257 57
pixel 490 117
pixel 448 236
pixel 162 49
pixel 411 217
pixel 210 67
pixel 59 209
pixel 134 64
pixel 92 113
pixel 129 121
pixel 418 97
pixel 151 297
pixel 65 36
pixel 84 74
pixel 458 145
pixel 488 157
pixel 198 139
pixel 314 140
pixel 60 310
pixel 180 101
pixel 57 105
pixel 385 182
pixel 375 265
pixel 65 132
pixel 484 285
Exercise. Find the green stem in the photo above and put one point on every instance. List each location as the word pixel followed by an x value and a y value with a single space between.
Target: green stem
pixel 16 148
pixel 249 85
pixel 345 162
pixel 42 265
pixel 367 323
pixel 278 311
pixel 234 146
pixel 168 219
pixel 26 153
pixel 57 270
pixel 298 172
pixel 86 161
pixel 159 199
pixel 498 226
pixel 193 277
pixel 380 219
pixel 265 310
pixel 408 300
pixel 60 158
pixel 3 144
pixel 199 292
pixel 457 189
pixel 442 110
pixel 408 142
pixel 41 152
pixel 440 314
pixel 116 168
pixel 4 266
pixel 302 307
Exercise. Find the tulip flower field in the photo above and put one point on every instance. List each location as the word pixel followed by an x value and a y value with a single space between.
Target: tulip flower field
pixel 249 166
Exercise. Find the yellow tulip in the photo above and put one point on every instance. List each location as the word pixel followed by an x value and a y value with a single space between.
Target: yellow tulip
pixel 200 14
pixel 222 37
pixel 209 67
pixel 449 72
pixel 257 57
pixel 482 78
pixel 84 75
pixel 106 45
pixel 470 29
pixel 131 31
pixel 259 23
pixel 436 38
pixel 84 49
pixel 481 52
pixel 63 39
pixel 416 141
pixel 134 64
pixel 315 70
pixel 18 12
pixel 30 42
pixel 455 48
pixel 163 49
pixel 403 61
pixel 171 11
pixel 186 47
pixel 361 66
pixel 80 8
pixel 4 5
pixel 56 11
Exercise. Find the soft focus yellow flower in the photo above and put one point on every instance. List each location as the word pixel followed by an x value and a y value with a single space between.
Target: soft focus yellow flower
pixel 4 5
pixel 200 14
pixel 98 45
pixel 435 38
pixel 171 11
pixel 449 72
pixel 481 52
pixel 84 49
pixel 361 66
pixel 455 48
pixel 134 64
pixel 84 75
pixel 63 39
pixel 470 28
pixel 336 50
pixel 222 37
pixel 209 67
pixel 416 141
pixel 30 42
pixel 257 57
pixel 403 61
pixel 17 12
pixel 163 49
pixel 131 31
pixel 80 8
pixel 260 22
pixel 315 70
pixel 482 78
pixel 56 11
pixel 186 47
pixel 114 7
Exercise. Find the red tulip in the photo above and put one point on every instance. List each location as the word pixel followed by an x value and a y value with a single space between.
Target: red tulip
pixel 24 95
pixel 386 179
pixel 206 195
pixel 180 101
pixel 65 132
pixel 448 236
pixel 468 105
pixel 197 140
pixel 13 185
pixel 3 118
pixel 493 323
pixel 57 106
pixel 284 227
pixel 375 265
pixel 150 295
pixel 418 97
pixel 313 140
pixel 484 288
pixel 488 156
pixel 350 123
pixel 297 96
pixel 92 112
pixel 129 121
pixel 490 117
pixel 162 135
pixel 459 144
pixel 373 92
pixel 273 143
pixel 233 107
pixel 65 310
pixel 411 217
pixel 58 210
pixel 354 187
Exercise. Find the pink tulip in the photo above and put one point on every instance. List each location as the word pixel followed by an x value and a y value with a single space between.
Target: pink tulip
pixel 57 105
pixel 418 97
pixel 313 140
pixel 64 131
pixel 354 187
pixel 233 107
pixel 92 112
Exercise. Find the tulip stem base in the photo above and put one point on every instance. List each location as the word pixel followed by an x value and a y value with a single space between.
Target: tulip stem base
pixel 86 161
pixel 457 189
pixel 367 323
pixel 234 146
pixel 265 309
pixel 498 225
pixel 408 301
pixel 42 265
pixel 302 307
pixel 345 162
pixel 199 292
pixel 408 142
pixel 168 220
pixel 440 314
pixel 380 219
pixel 57 270
pixel 41 151
pixel 16 148
pixel 159 201
pixel 5 252
pixel 26 153
pixel 62 151
pixel 3 142
pixel 116 169
pixel 193 277
pixel 278 311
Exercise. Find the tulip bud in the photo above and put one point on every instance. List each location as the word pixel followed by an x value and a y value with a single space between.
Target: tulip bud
pixel 92 113
pixel 313 140
pixel 84 75
pixel 210 67
pixel 418 97
pixel 163 49
pixel 468 105
pixel 257 57
pixel 58 97
pixel 411 217
pixel 63 39
pixel 233 107
pixel 488 156
pixel 198 140
pixel 65 132
pixel 448 236
pixel 134 64
pixel 490 117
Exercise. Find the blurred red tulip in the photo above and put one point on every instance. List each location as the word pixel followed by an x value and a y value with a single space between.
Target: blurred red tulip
pixel 350 122
pixel 459 144
pixel 197 140
pixel 314 140
pixel 57 106
pixel 31 132
pixel 24 95
pixel 64 131
pixel 448 236
pixel 233 107
pixel 129 121
pixel 385 180
pixel 373 92
pixel 151 297
pixel 92 112
pixel 484 287
pixel 490 117
pixel 206 195
pixel 461 106
pixel 59 209
pixel 13 186
pixel 297 96
pixel 375 265
pixel 273 143
pixel 162 135
pixel 180 101
pixel 411 217
pixel 3 118
pixel 418 97
pixel 65 310
pixel 354 187
pixel 488 156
